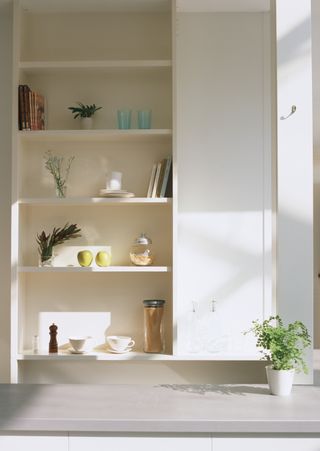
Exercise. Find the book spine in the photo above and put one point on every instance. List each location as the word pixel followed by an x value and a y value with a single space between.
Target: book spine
pixel 162 170
pixel 165 177
pixel 40 112
pixel 151 182
pixel 21 121
pixel 156 180
pixel 26 90
pixel 32 110
pixel 168 192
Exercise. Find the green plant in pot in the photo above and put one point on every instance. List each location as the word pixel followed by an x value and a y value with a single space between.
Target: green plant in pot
pixel 85 113
pixel 284 348
pixel 58 236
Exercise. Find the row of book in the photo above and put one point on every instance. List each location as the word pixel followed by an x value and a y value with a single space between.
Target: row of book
pixel 160 184
pixel 31 109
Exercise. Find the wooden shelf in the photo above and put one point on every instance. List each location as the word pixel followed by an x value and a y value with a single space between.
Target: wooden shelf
pixel 79 269
pixel 101 65
pixel 66 355
pixel 95 135
pixel 87 201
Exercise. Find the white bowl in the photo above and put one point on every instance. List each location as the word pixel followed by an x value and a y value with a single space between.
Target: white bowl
pixel 78 343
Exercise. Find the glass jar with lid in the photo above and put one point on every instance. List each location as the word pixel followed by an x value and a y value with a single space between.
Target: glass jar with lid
pixel 141 251
pixel 153 325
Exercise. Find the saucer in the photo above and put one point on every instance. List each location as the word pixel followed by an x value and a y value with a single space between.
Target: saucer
pixel 126 194
pixel 113 191
pixel 72 351
pixel 125 351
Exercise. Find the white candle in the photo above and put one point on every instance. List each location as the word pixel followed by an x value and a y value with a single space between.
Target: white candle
pixel 114 180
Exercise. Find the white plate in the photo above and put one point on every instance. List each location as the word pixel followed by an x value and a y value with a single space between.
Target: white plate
pixel 116 194
pixel 72 351
pixel 113 191
pixel 113 351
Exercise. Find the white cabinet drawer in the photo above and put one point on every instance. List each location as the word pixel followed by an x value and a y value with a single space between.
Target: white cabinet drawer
pixel 33 442
pixel 266 444
pixel 139 443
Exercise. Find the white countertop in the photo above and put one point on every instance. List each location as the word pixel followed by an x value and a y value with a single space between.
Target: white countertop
pixel 159 408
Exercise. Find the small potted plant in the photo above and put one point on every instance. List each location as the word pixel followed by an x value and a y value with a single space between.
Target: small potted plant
pixel 85 112
pixel 284 348
pixel 58 235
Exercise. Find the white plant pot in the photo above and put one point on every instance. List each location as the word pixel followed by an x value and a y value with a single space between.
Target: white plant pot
pixel 86 123
pixel 280 381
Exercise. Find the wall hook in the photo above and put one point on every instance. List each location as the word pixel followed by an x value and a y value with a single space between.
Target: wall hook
pixel 293 110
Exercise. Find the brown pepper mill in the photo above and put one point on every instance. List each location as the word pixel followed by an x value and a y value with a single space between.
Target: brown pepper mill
pixel 53 344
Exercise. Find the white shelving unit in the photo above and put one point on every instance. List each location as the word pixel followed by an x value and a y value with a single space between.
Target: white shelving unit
pixel 136 269
pixel 113 71
pixel 91 356
pixel 72 201
pixel 38 66
pixel 217 238
pixel 95 135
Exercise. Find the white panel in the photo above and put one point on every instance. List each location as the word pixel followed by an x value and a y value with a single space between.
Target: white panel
pixel 220 153
pixel 93 324
pixel 33 442
pixel 316 140
pixel 295 165
pixel 97 5
pixel 266 444
pixel 117 293
pixel 223 5
pixel 156 443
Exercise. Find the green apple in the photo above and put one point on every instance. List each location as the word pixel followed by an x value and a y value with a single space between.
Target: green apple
pixel 85 258
pixel 103 258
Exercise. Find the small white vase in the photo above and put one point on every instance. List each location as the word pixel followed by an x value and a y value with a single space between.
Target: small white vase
pixel 86 123
pixel 280 381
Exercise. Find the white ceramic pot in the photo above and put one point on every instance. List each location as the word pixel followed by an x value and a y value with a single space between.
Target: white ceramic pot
pixel 280 381
pixel 86 123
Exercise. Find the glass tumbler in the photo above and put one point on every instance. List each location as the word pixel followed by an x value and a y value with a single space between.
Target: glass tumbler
pixel 153 326
pixel 144 119
pixel 124 119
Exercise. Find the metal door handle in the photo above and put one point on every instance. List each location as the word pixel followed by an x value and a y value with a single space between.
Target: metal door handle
pixel 293 110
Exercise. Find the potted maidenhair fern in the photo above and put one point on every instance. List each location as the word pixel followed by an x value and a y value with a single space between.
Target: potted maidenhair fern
pixel 284 348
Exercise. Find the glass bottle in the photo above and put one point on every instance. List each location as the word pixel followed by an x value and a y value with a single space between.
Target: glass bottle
pixel 153 325
pixel 193 329
pixel 35 344
pixel 141 251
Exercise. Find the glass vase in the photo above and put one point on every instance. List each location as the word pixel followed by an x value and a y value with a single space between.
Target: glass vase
pixel 46 261
pixel 61 191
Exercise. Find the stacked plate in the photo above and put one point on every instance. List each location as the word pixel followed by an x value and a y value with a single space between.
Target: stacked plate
pixel 115 193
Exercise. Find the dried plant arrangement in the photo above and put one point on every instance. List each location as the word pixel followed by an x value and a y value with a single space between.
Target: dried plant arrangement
pixel 58 236
pixel 59 171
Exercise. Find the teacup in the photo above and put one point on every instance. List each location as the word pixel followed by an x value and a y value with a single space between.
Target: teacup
pixel 120 343
pixel 78 343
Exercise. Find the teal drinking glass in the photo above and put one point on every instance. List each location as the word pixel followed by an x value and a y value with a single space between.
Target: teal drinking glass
pixel 124 119
pixel 144 119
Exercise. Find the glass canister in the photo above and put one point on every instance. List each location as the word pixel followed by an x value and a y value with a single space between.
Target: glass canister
pixel 141 251
pixel 153 325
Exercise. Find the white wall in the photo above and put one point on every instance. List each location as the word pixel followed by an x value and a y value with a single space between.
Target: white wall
pixel 316 139
pixel 5 183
